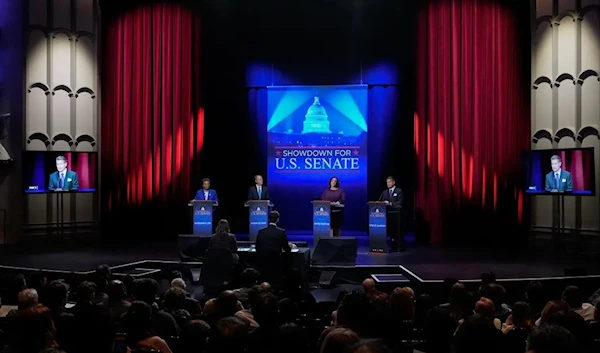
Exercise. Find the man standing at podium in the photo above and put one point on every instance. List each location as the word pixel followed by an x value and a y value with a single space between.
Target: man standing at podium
pixel 206 193
pixel 258 191
pixel 394 197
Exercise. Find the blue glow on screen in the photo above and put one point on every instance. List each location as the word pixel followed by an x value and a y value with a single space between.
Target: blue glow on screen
pixel 313 134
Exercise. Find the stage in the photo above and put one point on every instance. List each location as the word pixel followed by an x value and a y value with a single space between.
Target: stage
pixel 419 264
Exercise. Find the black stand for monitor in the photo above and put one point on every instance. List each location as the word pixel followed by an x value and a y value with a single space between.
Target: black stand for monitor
pixel 5 227
pixel 558 219
pixel 60 215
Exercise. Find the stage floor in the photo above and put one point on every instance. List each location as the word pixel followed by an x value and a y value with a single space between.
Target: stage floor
pixel 422 264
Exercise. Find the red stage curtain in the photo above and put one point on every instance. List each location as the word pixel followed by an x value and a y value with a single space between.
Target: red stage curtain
pixel 472 118
pixel 152 123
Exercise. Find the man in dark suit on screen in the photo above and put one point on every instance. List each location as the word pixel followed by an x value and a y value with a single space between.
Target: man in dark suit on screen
pixel 558 179
pixel 394 197
pixel 63 179
pixel 271 244
pixel 258 191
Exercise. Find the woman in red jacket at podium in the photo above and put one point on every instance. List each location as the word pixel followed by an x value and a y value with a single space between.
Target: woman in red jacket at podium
pixel 335 194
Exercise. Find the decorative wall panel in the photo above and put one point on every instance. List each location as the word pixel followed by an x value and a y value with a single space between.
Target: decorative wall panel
pixel 61 109
pixel 566 97
pixel 566 45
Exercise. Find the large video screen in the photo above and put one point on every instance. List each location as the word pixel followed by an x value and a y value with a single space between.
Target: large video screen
pixel 59 171
pixel 315 133
pixel 569 171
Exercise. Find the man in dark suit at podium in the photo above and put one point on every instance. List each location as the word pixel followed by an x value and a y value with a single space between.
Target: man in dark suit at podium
pixel 271 244
pixel 258 191
pixel 394 197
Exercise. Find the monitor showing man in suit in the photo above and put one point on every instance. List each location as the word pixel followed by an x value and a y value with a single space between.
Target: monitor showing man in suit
pixel 206 193
pixel 558 180
pixel 63 179
pixel 258 191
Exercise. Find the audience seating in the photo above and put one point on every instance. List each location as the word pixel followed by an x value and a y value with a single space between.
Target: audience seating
pixel 219 267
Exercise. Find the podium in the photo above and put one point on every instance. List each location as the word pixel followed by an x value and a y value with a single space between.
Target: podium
pixel 202 218
pixel 378 226
pixel 258 216
pixel 321 220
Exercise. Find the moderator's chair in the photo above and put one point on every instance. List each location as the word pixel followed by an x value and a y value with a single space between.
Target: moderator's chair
pixel 217 269
pixel 516 340
pixel 4 334
pixel 594 334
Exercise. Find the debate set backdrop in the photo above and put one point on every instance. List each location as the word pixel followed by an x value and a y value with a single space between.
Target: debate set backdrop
pixel 315 133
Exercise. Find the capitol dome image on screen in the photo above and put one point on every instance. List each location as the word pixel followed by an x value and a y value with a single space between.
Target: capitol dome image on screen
pixel 316 119
pixel 315 128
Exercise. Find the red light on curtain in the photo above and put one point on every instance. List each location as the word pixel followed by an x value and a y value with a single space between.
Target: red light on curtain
pixel 441 153
pixel 416 129
pixel 483 186
pixel 464 172
pixel 167 169
pixel 199 129
pixel 178 151
pixel 148 191
pixel 428 145
pixel 452 165
pixel 470 178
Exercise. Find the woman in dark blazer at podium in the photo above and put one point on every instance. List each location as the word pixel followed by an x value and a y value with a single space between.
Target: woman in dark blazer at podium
pixel 335 194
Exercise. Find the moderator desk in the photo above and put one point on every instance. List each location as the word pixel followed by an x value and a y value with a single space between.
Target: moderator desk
pixel 300 258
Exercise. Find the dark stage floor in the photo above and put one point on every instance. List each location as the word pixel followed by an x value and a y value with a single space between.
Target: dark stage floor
pixel 423 264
